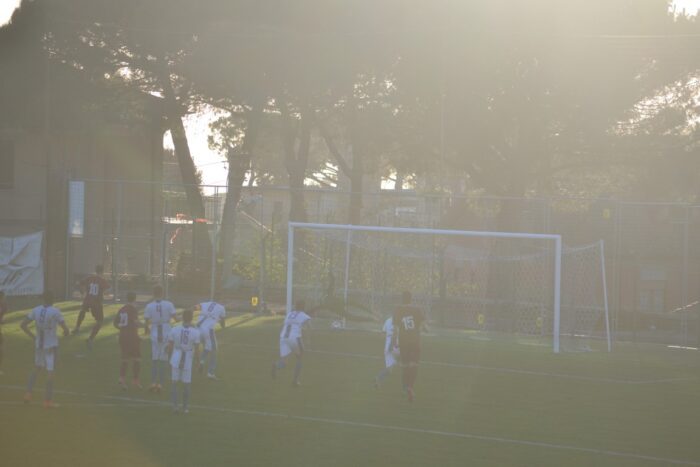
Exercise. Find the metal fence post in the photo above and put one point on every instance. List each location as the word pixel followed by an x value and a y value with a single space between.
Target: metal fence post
pixel 684 281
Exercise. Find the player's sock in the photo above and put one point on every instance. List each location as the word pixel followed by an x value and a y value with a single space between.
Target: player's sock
pixel 173 394
pixel 32 380
pixel 81 317
pixel 185 395
pixel 297 371
pixel 161 371
pixel 203 360
pixel 212 363
pixel 412 376
pixel 49 390
pixel 136 369
pixel 95 330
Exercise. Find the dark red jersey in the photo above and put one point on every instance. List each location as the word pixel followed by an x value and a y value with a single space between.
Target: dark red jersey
pixel 408 320
pixel 126 320
pixel 94 287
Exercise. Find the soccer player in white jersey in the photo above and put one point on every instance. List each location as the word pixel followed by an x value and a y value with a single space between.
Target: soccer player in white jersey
pixel 158 315
pixel 391 352
pixel 46 319
pixel 290 340
pixel 183 347
pixel 210 314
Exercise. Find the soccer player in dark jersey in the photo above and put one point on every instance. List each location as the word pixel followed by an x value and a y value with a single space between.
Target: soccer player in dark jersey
pixel 408 321
pixel 93 287
pixel 127 321
pixel 3 310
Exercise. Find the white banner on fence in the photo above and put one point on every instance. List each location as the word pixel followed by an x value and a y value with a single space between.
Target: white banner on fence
pixel 76 209
pixel 21 265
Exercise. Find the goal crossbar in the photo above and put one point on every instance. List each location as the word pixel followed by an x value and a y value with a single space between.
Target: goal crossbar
pixel 426 231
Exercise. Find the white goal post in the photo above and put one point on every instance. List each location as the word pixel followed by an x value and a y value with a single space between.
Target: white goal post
pixel 330 248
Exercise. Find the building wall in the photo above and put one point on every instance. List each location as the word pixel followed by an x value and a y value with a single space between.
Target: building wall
pixel 38 198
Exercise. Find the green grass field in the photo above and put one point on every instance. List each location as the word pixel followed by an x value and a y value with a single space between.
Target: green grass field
pixel 479 402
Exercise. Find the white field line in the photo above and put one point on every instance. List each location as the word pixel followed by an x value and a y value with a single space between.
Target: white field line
pixel 380 427
pixel 489 368
pixel 79 404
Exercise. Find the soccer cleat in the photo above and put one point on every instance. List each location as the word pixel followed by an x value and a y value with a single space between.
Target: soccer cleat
pixel 27 397
pixel 122 384
pixel 49 404
pixel 212 376
pixel 136 384
pixel 410 394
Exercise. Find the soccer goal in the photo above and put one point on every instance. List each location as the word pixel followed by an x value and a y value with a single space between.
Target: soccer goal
pixel 497 282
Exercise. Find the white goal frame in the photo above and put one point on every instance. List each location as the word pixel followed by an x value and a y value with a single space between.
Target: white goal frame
pixel 463 233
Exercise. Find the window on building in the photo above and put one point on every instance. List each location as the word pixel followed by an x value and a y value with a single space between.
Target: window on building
pixel 7 164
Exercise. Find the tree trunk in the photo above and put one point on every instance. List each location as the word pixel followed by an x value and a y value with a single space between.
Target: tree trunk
pixel 296 160
pixel 202 246
pixel 237 166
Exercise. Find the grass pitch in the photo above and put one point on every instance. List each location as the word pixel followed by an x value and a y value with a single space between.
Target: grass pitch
pixel 479 401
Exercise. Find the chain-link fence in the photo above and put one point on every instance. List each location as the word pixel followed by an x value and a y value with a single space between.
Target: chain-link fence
pixel 142 235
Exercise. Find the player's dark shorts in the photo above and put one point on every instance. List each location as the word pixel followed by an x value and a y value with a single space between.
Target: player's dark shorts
pixel 409 353
pixel 130 346
pixel 95 310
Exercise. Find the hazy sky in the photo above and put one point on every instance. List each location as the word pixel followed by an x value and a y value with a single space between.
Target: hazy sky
pixel 8 6
pixel 6 9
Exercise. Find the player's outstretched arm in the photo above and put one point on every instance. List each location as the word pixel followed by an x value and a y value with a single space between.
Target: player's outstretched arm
pixel 25 327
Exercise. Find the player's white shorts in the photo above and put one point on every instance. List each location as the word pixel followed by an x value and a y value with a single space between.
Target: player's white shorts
pixel 182 374
pixel 209 339
pixel 158 350
pixel 391 358
pixel 45 358
pixel 289 345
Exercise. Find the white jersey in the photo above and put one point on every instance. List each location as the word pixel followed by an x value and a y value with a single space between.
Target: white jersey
pixel 47 319
pixel 210 314
pixel 388 329
pixel 159 313
pixel 184 339
pixel 293 323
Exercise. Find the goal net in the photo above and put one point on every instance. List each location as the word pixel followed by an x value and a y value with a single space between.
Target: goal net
pixel 497 282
